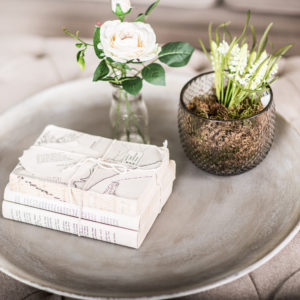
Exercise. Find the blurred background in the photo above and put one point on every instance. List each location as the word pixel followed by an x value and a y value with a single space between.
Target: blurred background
pixel 36 54
pixel 173 19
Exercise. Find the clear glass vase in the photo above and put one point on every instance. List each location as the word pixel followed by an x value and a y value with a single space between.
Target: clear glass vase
pixel 128 116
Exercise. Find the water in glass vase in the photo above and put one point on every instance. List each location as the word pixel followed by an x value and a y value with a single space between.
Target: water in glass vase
pixel 129 117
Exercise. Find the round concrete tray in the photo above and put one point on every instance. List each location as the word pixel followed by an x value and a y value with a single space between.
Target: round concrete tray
pixel 212 230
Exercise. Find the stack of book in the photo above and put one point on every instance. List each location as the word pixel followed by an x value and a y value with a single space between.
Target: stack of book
pixel 90 186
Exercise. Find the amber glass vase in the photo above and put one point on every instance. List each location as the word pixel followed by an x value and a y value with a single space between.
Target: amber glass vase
pixel 224 147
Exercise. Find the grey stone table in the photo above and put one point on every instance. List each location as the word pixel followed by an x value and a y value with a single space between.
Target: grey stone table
pixel 212 231
pixel 49 61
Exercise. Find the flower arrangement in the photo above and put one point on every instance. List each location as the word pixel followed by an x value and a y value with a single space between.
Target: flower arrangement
pixel 129 54
pixel 241 73
pixel 122 46
pixel 226 117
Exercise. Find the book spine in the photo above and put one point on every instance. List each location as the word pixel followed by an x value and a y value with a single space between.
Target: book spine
pixel 69 224
pixel 37 187
pixel 72 210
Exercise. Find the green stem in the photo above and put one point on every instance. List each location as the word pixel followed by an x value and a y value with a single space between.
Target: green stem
pixel 117 122
pixel 117 81
pixel 138 128
pixel 228 89
pixel 252 98
pixel 131 116
pixel 140 71
pixel 233 97
pixel 119 109
pixel 222 90
pixel 128 116
pixel 66 31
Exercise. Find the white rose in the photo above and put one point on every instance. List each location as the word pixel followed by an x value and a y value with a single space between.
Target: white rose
pixel 125 5
pixel 124 41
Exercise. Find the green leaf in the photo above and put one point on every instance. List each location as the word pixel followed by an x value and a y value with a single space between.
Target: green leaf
pixel 245 89
pixel 132 61
pixel 224 25
pixel 282 50
pixel 244 40
pixel 140 18
pixel 80 59
pixel 253 38
pixel 151 7
pixel 226 31
pixel 278 54
pixel 101 71
pixel 81 62
pixel 233 42
pixel 96 41
pixel 132 85
pixel 263 41
pixel 155 74
pixel 204 49
pixel 110 60
pixel 121 66
pixel 108 78
pixel 176 54
pixel 78 45
pixel 210 34
pixel 245 26
pixel 78 55
pixel 120 13
pixel 66 31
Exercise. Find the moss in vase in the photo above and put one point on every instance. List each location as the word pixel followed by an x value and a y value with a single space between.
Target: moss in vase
pixel 207 106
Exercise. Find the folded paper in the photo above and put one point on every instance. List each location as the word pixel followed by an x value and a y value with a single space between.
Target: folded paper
pixel 102 173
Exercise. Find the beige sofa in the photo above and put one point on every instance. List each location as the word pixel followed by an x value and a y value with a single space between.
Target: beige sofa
pixel 35 55
pixel 173 20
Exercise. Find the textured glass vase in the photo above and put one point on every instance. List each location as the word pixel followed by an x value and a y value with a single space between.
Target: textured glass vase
pixel 128 116
pixel 224 147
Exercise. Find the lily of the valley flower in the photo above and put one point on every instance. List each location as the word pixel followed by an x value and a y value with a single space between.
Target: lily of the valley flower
pixel 241 73
pixel 124 4
pixel 242 65
pixel 125 41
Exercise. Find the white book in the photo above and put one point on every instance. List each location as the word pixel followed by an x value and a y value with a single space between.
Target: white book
pixel 105 174
pixel 87 213
pixel 72 210
pixel 69 224
pixel 85 228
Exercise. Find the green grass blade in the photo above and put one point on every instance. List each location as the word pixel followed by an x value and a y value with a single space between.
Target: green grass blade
pixel 242 87
pixel 245 27
pixel 210 33
pixel 282 50
pixel 204 49
pixel 217 36
pixel 263 41
pixel 217 31
pixel 226 31
pixel 244 40
pixel 278 54
pixel 233 42
pixel 253 38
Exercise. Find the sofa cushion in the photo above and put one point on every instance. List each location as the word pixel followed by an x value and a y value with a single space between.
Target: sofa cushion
pixel 179 3
pixel 288 7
